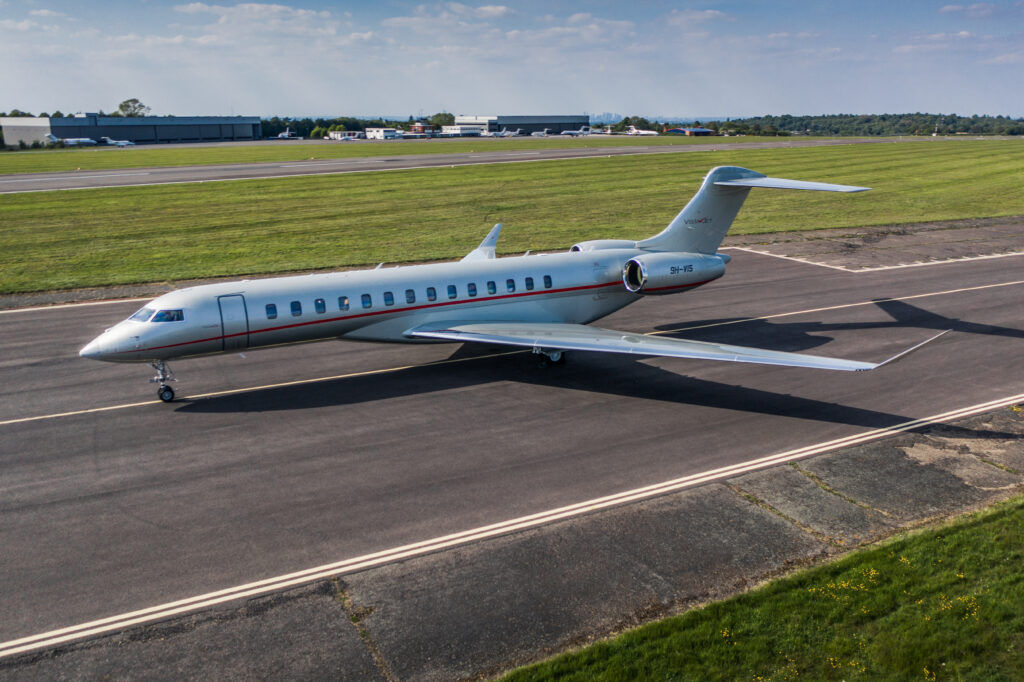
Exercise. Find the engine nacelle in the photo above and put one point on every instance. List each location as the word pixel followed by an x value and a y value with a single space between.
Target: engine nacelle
pixel 601 244
pixel 670 273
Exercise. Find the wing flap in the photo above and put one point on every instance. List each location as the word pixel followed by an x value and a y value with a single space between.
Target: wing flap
pixel 554 336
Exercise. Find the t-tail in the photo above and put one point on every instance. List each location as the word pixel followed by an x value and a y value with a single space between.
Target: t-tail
pixel 702 225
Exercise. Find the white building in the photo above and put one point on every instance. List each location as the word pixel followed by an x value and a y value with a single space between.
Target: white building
pixel 460 130
pixel 383 134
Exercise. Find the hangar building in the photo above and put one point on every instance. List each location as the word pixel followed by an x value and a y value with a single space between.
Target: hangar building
pixel 528 124
pixel 138 129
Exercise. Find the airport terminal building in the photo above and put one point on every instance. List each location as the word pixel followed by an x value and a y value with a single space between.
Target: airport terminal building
pixel 138 129
pixel 528 124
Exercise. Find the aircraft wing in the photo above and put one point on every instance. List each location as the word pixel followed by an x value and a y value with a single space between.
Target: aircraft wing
pixel 554 336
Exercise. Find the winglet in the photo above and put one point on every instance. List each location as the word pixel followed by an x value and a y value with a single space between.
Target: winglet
pixel 487 246
pixel 910 350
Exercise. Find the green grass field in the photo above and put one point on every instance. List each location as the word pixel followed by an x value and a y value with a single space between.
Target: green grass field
pixel 944 604
pixel 86 158
pixel 60 240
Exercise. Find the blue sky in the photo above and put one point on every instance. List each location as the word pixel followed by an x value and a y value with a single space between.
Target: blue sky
pixel 659 59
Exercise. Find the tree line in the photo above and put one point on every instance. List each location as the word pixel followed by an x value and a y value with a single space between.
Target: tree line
pixel 867 125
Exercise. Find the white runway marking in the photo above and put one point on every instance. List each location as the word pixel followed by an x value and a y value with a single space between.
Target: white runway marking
pixel 77 175
pixel 360 563
pixel 943 261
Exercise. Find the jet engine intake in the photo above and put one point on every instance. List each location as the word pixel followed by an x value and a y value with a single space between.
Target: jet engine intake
pixel 670 273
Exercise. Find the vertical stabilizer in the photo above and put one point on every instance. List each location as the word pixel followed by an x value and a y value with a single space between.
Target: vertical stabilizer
pixel 701 226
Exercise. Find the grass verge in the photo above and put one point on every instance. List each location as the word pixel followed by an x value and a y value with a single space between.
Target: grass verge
pixel 940 604
pixel 86 158
pixel 63 240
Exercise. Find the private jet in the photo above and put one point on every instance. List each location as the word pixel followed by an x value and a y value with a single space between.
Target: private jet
pixel 539 302
pixel 541 133
pixel 71 141
pixel 583 131
pixel 116 143
pixel 633 130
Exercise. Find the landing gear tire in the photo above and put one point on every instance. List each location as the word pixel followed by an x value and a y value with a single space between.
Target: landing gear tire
pixel 165 393
pixel 548 358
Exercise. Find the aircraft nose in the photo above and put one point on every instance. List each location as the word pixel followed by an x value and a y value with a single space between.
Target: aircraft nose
pixel 91 350
pixel 99 348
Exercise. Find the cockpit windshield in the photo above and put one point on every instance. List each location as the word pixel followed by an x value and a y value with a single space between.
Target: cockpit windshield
pixel 147 315
pixel 169 316
pixel 142 315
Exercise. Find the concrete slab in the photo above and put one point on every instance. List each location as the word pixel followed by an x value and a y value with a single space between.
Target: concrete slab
pixel 480 609
pixel 801 499
pixel 967 467
pixel 303 633
pixel 882 476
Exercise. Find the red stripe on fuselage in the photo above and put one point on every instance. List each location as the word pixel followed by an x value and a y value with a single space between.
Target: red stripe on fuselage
pixel 402 310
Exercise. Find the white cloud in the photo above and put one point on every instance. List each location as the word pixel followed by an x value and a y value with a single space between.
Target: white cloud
pixel 1010 58
pixel 978 10
pixel 46 13
pixel 23 25
pixel 687 17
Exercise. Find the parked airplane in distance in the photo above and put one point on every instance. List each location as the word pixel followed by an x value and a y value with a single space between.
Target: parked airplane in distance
pixel 286 135
pixel 541 302
pixel 116 143
pixel 584 130
pixel 505 132
pixel 541 133
pixel 633 130
pixel 71 141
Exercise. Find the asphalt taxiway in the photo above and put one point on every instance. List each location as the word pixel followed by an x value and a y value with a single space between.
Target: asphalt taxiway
pixel 299 457
pixel 133 177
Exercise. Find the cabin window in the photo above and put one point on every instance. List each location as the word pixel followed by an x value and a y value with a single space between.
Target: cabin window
pixel 271 311
pixel 510 284
pixel 343 303
pixel 547 281
pixel 471 288
pixel 492 288
pixel 168 316
pixel 367 301
pixel 142 315
pixel 320 305
pixel 389 298
pixel 296 308
pixel 529 283
pixel 410 296
pixel 452 292
pixel 431 294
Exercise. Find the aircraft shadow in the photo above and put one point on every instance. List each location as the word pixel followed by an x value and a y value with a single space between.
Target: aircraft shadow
pixel 802 336
pixel 618 375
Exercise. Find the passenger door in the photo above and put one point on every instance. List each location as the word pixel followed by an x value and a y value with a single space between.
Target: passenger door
pixel 234 322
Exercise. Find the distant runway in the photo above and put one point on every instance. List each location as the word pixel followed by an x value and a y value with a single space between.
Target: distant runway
pixel 47 182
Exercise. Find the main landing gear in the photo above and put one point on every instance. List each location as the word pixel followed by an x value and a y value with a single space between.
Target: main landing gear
pixel 163 375
pixel 551 357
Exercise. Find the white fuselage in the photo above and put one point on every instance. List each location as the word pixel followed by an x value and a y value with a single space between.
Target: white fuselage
pixel 374 305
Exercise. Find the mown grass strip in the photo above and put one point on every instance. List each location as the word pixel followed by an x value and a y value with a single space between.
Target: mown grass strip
pixel 166 233
pixel 942 604
pixel 91 158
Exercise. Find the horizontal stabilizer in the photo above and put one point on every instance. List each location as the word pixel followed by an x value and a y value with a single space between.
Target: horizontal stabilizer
pixel 783 183
pixel 555 336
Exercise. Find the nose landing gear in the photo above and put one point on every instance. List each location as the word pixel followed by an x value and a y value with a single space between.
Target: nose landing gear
pixel 163 375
